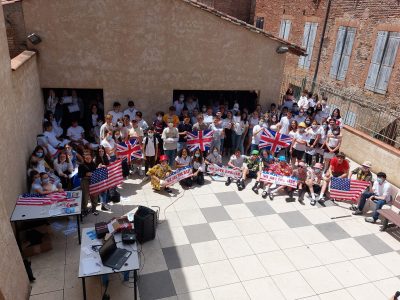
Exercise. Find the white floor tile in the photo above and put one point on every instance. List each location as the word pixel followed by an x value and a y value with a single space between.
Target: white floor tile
pixel 188 279
pixel 191 217
pixel 302 257
pixel 169 237
pixel 366 291
pixel 261 242
pixel 198 295
pixel 391 261
pixel 272 222
pixel 316 216
pixel 310 235
pixel 280 205
pixel 372 268
pixel 353 227
pixel 336 211
pixel 230 292
pixel 262 288
pixel 286 238
pixel 293 286
pixel 249 226
pixel 350 248
pixel 327 253
pixel 387 286
pixel 235 247
pixel 224 229
pixel 219 273
pixel 185 203
pixel 276 262
pixel 209 200
pixel 208 251
pixel 336 295
pixel 321 280
pixel 238 211
pixel 248 267
pixel 347 274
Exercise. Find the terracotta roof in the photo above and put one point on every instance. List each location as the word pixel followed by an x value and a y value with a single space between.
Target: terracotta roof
pixel 293 48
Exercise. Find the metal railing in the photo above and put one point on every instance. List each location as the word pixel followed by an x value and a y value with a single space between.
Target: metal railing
pixel 357 111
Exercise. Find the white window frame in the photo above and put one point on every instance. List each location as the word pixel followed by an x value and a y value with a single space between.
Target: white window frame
pixel 342 53
pixel 284 30
pixel 310 33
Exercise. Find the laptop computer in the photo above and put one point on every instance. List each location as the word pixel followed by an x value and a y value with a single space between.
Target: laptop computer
pixel 111 256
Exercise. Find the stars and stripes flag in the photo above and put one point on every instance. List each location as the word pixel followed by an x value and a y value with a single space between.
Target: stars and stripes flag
pixel 129 150
pixel 347 189
pixel 274 141
pixel 38 199
pixel 105 178
pixel 201 139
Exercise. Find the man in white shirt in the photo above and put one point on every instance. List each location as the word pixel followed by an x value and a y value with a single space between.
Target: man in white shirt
pixel 116 113
pixel 284 124
pixel 179 104
pixel 380 195
pixel 131 110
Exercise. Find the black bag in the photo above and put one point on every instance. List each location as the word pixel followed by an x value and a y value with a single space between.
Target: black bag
pixel 101 229
pixel 115 196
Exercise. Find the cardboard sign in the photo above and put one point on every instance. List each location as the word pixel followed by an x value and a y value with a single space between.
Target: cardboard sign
pixel 224 171
pixel 279 179
pixel 178 175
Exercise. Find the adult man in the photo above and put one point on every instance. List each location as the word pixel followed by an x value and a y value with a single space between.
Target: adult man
pixel 183 129
pixel 380 195
pixel 170 137
pixel 314 181
pixel 236 162
pixel 339 167
pixel 116 113
pixel 363 172
pixel 131 110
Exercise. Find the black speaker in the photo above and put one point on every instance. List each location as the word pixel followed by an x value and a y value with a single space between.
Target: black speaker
pixel 145 223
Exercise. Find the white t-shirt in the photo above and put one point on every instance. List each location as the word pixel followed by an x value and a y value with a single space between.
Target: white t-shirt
pixel 383 189
pixel 109 144
pixel 303 103
pixel 285 124
pixel 300 137
pixel 75 133
pixel 130 113
pixel 116 116
pixel 51 138
pixel 183 161
pixel 255 139
pixel 136 132
pixel 150 151
pixel 103 128
pixel 237 161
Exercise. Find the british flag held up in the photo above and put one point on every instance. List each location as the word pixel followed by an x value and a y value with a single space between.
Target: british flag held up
pixel 129 150
pixel 274 141
pixel 199 139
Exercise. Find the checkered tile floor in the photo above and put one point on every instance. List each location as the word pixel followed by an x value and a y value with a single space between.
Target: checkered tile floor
pixel 215 242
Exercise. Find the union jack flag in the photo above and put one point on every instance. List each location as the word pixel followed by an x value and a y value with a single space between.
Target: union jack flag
pixel 199 139
pixel 274 141
pixel 49 199
pixel 129 150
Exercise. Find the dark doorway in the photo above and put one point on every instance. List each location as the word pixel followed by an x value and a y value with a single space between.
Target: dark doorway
pixel 246 99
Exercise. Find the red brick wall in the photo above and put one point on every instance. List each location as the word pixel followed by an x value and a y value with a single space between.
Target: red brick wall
pixel 368 16
pixel 239 9
pixel 15 27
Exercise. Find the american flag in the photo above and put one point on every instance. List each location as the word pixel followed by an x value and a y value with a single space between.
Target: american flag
pixel 273 141
pixel 129 150
pixel 201 139
pixel 104 178
pixel 38 199
pixel 347 189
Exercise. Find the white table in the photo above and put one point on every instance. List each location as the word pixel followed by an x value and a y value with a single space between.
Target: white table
pixel 132 264
pixel 37 212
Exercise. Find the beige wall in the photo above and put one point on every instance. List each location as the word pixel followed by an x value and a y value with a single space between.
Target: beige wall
pixel 21 113
pixel 146 49
pixel 361 147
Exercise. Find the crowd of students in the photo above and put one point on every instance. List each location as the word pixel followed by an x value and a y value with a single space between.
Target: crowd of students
pixel 67 154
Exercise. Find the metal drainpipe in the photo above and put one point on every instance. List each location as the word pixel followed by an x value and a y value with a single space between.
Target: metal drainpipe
pixel 328 9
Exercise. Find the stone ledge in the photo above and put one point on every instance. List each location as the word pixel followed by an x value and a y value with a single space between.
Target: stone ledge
pixel 22 58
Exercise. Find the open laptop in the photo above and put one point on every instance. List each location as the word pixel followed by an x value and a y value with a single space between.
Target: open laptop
pixel 111 256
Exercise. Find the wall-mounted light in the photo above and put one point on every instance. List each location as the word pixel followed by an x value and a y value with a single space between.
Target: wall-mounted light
pixel 282 49
pixel 34 38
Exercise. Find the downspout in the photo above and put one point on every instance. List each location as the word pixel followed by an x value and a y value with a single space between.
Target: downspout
pixel 328 9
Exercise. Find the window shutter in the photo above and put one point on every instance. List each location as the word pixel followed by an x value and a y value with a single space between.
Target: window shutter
pixel 348 47
pixel 387 63
pixel 376 60
pixel 306 34
pixel 287 29
pixel 282 29
pixel 310 44
pixel 338 51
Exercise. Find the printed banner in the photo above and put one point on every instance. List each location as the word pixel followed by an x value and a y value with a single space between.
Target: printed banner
pixel 178 175
pixel 279 179
pixel 224 171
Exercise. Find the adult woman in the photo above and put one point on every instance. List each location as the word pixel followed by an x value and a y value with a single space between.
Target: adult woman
pixel 85 172
pixel 109 144
pixel 198 167
pixel 101 160
pixel 183 160
pixel 332 146
pixel 336 116
pixel 158 173
pixel 228 127
pixel 63 168
pixel 314 134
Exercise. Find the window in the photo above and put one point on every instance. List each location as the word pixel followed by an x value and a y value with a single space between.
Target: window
pixel 310 31
pixel 382 61
pixel 350 118
pixel 260 23
pixel 284 31
pixel 341 56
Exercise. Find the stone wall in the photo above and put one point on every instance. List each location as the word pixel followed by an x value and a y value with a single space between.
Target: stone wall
pixel 15 27
pixel 239 9
pixel 22 111
pixel 124 51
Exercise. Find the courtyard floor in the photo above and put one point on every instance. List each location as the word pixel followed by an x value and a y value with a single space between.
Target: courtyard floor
pixel 217 243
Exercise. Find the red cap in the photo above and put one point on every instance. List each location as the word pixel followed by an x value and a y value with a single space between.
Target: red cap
pixel 163 158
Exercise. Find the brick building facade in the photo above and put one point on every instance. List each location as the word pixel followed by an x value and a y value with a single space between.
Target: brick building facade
pixel 15 26
pixel 240 9
pixel 359 52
